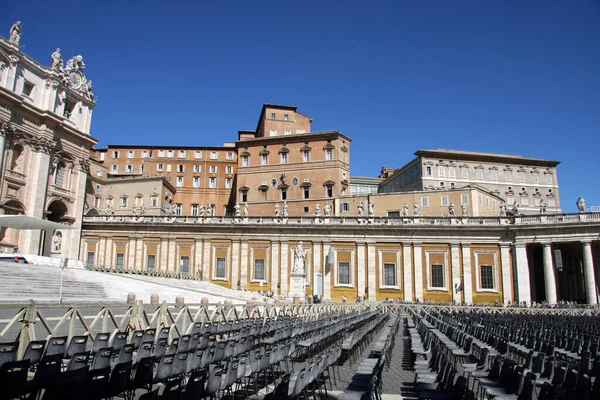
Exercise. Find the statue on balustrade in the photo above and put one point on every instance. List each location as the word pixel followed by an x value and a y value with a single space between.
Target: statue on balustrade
pixel 277 210
pixel 503 209
pixel 209 210
pixel 361 209
pixel 245 209
pixel 543 207
pixel 318 210
pixel 57 241
pixel 15 33
pixel 416 210
pixel 581 204
pixel 285 209
pixel 299 255
pixel 57 61
pixel 451 211
pixel 201 211
pixel 327 209
pixel 405 210
pixel 371 209
pixel 463 210
pixel 237 210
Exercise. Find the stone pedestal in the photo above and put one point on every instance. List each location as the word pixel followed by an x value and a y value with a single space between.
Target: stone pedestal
pixel 297 285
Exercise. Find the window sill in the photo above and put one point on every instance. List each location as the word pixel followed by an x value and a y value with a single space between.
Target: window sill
pixel 220 279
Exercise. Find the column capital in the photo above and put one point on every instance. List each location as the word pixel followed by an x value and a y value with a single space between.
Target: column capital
pixel 586 242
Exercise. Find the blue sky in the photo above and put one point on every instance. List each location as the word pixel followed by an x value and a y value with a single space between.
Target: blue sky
pixel 517 77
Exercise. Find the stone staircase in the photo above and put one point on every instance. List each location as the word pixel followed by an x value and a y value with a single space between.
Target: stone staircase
pixel 21 282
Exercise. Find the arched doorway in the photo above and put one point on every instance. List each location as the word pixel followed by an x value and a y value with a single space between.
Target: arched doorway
pixel 57 211
pixel 9 238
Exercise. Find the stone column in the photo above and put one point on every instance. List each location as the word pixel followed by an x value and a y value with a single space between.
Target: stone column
pixel 173 263
pixel 3 134
pixel 549 278
pixel 326 276
pixel 455 259
pixel 139 254
pixel 77 185
pixel 131 258
pixel 371 271
pixel 467 279
pixel 362 265
pixel 197 267
pixel 522 270
pixel 11 74
pixel 244 265
pixel 506 276
pixel 207 274
pixel 235 263
pixel 418 261
pixel 102 251
pixel 108 258
pixel 164 253
pixel 589 276
pixel 317 256
pixel 408 275
pixel 274 266
pixel 284 267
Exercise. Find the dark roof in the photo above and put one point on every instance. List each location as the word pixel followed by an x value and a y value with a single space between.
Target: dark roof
pixel 480 156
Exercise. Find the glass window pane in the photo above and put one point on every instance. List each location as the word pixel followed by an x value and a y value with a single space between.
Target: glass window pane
pixel 344 273
pixel 259 269
pixel 389 270
pixel 437 276
pixel 487 277
pixel 220 272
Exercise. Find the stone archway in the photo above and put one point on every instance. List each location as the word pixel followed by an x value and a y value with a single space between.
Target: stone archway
pixel 57 211
pixel 9 238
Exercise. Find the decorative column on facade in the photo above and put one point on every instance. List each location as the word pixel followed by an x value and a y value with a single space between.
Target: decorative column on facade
pixel 371 271
pixel 235 263
pixel 549 279
pixel 131 259
pixel 164 255
pixel 6 129
pixel 206 273
pixel 173 263
pixel 49 99
pixel 361 267
pixel 317 256
pixel 108 258
pixel 522 270
pixel 467 281
pixel 408 268
pixel 588 272
pixel 78 180
pixel 11 75
pixel 326 274
pixel 506 275
pixel 244 265
pixel 139 254
pixel 274 266
pixel 284 268
pixel 418 261
pixel 455 259
pixel 198 256
pixel 102 251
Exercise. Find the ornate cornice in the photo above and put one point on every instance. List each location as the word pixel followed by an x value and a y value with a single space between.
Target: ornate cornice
pixel 84 164
pixel 7 128
pixel 52 83
pixel 42 144
pixel 13 59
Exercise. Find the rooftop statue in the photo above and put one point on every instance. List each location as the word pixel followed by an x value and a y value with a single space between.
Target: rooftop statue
pixel 581 204
pixel 405 210
pixel 245 209
pixel 277 210
pixel 416 210
pixel 371 211
pixel 327 209
pixel 15 33
pixel 57 61
pixel 451 210
pixel 318 210
pixel 285 209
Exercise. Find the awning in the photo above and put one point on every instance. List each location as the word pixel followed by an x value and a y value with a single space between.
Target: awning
pixel 27 222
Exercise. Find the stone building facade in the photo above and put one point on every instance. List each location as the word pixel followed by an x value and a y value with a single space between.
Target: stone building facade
pixel 45 116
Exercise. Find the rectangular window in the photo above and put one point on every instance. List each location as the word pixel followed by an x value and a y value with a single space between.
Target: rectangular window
pixel 522 176
pixel 494 205
pixel 161 153
pixel 508 175
pixel 91 256
pixel 150 261
pixel 272 115
pixel 328 154
pixel 214 155
pixel 306 156
pixel 480 173
pixel 264 159
pixel 428 171
pixel 452 172
pixel 480 199
pixel 305 192
pixel 437 276
pixel 536 178
pixel 345 207
pixel 128 168
pixel 178 208
pixel 229 155
pixel 123 201
pixel 130 154
pixel 196 181
pixel 229 170
pixel 287 132
pixel 197 154
pixel 114 169
pixel 194 210
pixel 144 154
pixel 184 264
pixel 444 201
pixel 168 167
pixel 464 199
pixel 284 158
pixel 487 202
pixel 494 174
pixel 179 182
pixel 102 156
pixel 424 201
pixel 441 171
pixel 273 132
pixel 524 200
pixel 464 172
pixel 180 168
pixel 486 275
pixel 170 153
pixel 120 260
pixel 220 270
pixel 393 214
pixel 244 161
pixel 285 117
pixel 212 182
pixel 344 273
pixel 329 190
pixel 153 201
pixel 181 154
pixel 115 154
pixel 244 196
pixel 228 183
pixel 28 89
pixel 160 167
pixel 283 194
pixel 196 168
pixel 389 274
pixel 213 169
pixel 549 179
pixel 259 269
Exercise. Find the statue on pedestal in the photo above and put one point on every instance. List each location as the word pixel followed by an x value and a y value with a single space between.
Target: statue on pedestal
pixel 15 33
pixel 581 204
pixel 245 209
pixel 543 207
pixel 503 209
pixel 371 208
pixel 236 209
pixel 57 61
pixel 327 209
pixel 451 211
pixel 405 210
pixel 209 210
pixel 299 255
pixel 416 210
pixel 277 210
pixel 317 210
pixel 361 209
pixel 463 210
pixel 201 211
pixel 57 242
pixel 285 209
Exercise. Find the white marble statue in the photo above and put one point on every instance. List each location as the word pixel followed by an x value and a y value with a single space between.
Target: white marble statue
pixel 57 241
pixel 209 210
pixel 416 210
pixel 285 209
pixel 371 208
pixel 317 210
pixel 405 210
pixel 15 33
pixel 277 210
pixel 245 209
pixel 57 61
pixel 201 211
pixel 451 210
pixel 236 209
pixel 503 209
pixel 515 209
pixel 543 207
pixel 361 209
pixel 168 209
pixel 299 255
pixel 327 209
pixel 463 210
pixel 581 204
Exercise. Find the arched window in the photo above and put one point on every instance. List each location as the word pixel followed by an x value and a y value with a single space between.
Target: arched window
pixel 59 176
pixel 17 158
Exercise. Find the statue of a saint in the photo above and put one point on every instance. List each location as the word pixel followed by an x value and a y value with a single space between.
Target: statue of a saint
pixel 277 210
pixel 236 209
pixel 299 254
pixel 371 208
pixel 57 241
pixel 57 61
pixel 209 210
pixel 245 209
pixel 581 204
pixel 361 209
pixel 543 207
pixel 201 211
pixel 317 210
pixel 405 210
pixel 515 209
pixel 285 209
pixel 451 211
pixel 503 209
pixel 463 210
pixel 86 89
pixel 142 210
pixel 15 33
pixel 416 210
pixel 168 209
pixel 327 209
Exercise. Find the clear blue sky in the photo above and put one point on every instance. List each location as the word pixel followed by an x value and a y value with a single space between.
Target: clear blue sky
pixel 518 77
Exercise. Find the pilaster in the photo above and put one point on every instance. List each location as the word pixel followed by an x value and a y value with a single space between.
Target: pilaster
pixel 418 261
pixel 274 266
pixel 78 185
pixel 131 253
pixel 164 253
pixel 244 265
pixel 198 257
pixel 327 273
pixel 173 263
pixel 317 256
pixel 110 262
pixel 549 279
pixel 522 270
pixel 467 276
pixel 455 259
pixel 139 254
pixel 588 272
pixel 371 271
pixel 507 294
pixel 362 265
pixel 408 269
pixel 35 199
pixel 284 267
pixel 102 251
pixel 235 263
pixel 206 272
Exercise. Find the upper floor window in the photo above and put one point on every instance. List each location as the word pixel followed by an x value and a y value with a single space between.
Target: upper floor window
pixel 212 182
pixel 196 181
pixel 213 169
pixel 273 132
pixel 480 173
pixel 464 172
pixel 128 168
pixel 177 208
pixel 508 175
pixel 168 167
pixel 114 169
pixel 179 182
pixel 444 201
pixel 536 177
pixel 329 190
pixel 144 154
pixel 264 159
pixel 452 172
pixel 196 168
pixel 328 154
pixel 161 153
pixel 272 115
pixel 28 89
pixel 441 171
pixel 244 161
pixel 180 168
pixel 285 117
pixel 549 179
pixel 228 182
pixel 306 156
pixel 194 210
pixel 306 192
pixel 284 158
pixel 170 153
pixel 115 154
pixel 494 174
pixel 229 155
pixel 181 154
pixel 428 171
pixel 522 176
pixel 229 170
pixel 160 167
pixel 59 175
pixel 464 199
pixel 287 132
pixel 214 155
pixel 197 154
pixel 130 154
pixel 123 201
pixel 424 201
pixel 69 108
pixel 283 194
pixel 345 207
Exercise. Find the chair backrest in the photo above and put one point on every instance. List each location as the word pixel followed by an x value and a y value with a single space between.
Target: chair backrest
pixel 137 338
pixel 78 360
pixel 149 335
pixel 164 369
pixel 8 352
pixel 560 372
pixel 173 346
pixel 34 351
pixel 13 376
pixel 56 345
pixel 164 332
pixel 102 359
pixel 179 364
pixel 100 342
pixel 126 353
pixel 160 349
pixel 119 339
pixel 195 385
pixel 214 379
pixel 144 373
pixel 145 350
pixel 571 378
pixel 119 379
pixel 76 345
pixel 281 391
